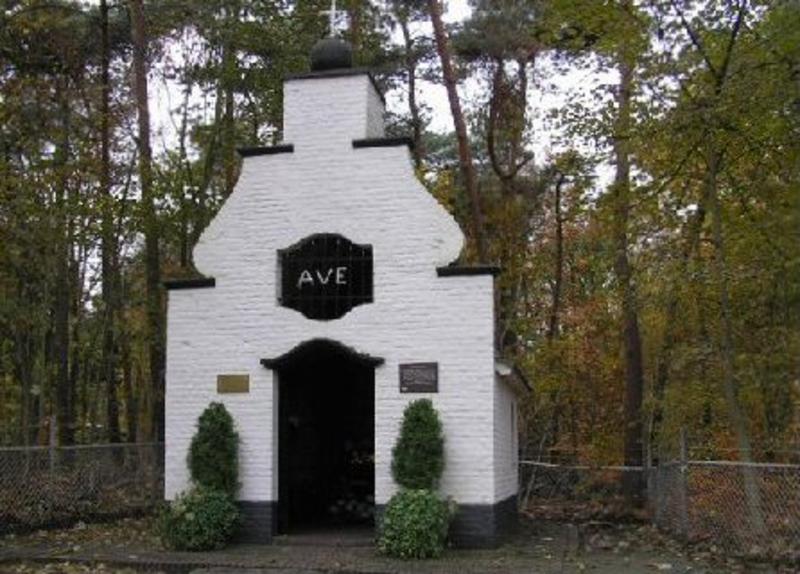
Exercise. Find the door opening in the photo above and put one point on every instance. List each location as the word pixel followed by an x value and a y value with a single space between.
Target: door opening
pixel 326 434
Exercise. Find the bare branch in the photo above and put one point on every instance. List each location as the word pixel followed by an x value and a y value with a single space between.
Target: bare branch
pixel 737 25
pixel 693 36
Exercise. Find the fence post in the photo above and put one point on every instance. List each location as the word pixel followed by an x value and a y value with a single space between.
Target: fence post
pixel 648 487
pixel 52 440
pixel 683 490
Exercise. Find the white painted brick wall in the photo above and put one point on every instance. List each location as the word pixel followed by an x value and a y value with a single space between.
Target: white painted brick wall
pixel 369 196
pixel 506 474
pixel 331 111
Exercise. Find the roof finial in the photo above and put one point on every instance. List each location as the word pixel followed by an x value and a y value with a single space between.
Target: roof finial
pixel 332 17
pixel 331 53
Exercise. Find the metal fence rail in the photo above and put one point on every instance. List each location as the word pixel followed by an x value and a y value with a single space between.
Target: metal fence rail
pixel 695 501
pixel 43 486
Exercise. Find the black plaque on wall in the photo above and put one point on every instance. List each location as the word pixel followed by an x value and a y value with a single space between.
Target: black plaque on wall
pixel 419 378
pixel 325 275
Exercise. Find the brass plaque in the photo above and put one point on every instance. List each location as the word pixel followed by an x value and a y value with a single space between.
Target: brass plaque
pixel 233 383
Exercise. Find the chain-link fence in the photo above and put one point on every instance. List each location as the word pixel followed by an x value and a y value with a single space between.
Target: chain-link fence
pixel 742 508
pixel 745 508
pixel 43 486
pixel 572 492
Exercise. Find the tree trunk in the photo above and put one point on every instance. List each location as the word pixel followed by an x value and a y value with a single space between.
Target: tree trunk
pixel 64 419
pixel 209 161
pixel 230 142
pixel 751 489
pixel 128 390
pixel 664 355
pixel 354 17
pixel 553 329
pixel 187 178
pixel 714 155
pixel 634 379
pixel 413 107
pixel 155 333
pixel 507 110
pixel 108 242
pixel 464 152
pixel 23 366
pixel 229 73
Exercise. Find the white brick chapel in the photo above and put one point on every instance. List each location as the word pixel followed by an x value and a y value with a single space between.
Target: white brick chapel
pixel 329 300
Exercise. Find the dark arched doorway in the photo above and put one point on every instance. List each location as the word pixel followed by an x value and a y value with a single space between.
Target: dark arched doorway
pixel 326 436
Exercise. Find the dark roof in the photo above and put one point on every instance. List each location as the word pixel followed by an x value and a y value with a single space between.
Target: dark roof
pixel 456 270
pixel 384 142
pixel 265 150
pixel 189 283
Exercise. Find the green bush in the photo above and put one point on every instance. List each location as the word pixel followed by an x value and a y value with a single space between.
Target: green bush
pixel 418 455
pixel 201 519
pixel 414 525
pixel 213 455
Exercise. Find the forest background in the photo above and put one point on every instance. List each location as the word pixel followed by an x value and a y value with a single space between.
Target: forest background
pixel 651 271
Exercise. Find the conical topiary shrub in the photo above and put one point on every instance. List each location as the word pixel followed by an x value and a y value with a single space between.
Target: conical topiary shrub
pixel 416 521
pixel 418 455
pixel 213 455
pixel 205 516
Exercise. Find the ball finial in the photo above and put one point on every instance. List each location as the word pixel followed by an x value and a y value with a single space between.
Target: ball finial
pixel 331 54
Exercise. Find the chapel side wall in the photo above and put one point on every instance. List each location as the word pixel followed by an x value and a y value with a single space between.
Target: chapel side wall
pixel 505 441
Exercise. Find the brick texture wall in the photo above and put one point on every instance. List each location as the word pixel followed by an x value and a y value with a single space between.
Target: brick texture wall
pixel 505 441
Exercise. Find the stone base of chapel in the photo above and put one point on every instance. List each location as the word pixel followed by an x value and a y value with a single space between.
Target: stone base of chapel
pixel 484 525
pixel 474 525
pixel 258 522
pixel 480 525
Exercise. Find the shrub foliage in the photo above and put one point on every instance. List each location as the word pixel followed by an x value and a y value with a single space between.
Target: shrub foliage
pixel 418 455
pixel 416 522
pixel 205 517
pixel 414 525
pixel 200 519
pixel 213 455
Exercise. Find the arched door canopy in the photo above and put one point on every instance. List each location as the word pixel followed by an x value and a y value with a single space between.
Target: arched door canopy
pixel 319 345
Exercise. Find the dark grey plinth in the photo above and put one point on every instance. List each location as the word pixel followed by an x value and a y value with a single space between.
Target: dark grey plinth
pixel 483 525
pixel 478 525
pixel 258 522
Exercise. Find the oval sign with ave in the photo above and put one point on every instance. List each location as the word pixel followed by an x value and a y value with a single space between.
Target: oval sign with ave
pixel 325 275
